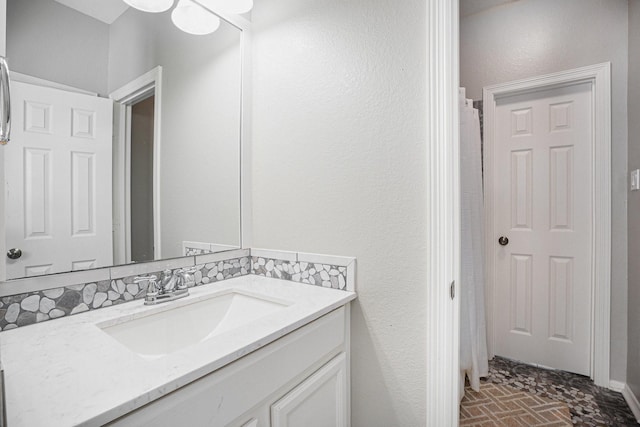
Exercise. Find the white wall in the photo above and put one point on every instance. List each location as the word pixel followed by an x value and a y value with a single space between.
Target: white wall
pixel 48 40
pixel 3 26
pixel 200 158
pixel 340 168
pixel 532 37
pixel 633 355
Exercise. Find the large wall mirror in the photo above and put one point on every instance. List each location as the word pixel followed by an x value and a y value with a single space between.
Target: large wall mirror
pixel 126 137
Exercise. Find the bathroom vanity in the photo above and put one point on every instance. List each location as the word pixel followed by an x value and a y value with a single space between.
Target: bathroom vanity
pixel 248 351
pixel 263 337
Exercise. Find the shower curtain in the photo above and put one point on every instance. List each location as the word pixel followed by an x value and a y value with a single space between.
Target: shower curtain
pixel 473 336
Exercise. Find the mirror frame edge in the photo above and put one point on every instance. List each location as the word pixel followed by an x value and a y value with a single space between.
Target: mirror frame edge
pixel 246 137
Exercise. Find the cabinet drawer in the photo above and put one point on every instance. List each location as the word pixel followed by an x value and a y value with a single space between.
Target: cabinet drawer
pixel 222 396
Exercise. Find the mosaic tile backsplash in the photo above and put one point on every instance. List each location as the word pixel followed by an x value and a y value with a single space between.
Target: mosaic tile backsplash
pixel 328 276
pixel 33 307
pixel 222 270
pixel 26 309
pixel 195 251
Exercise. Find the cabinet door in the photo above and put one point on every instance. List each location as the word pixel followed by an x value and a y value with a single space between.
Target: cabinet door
pixel 319 401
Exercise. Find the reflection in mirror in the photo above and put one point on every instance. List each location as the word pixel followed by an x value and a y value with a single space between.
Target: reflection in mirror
pixel 126 144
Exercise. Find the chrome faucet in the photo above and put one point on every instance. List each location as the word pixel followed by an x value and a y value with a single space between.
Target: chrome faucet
pixel 173 285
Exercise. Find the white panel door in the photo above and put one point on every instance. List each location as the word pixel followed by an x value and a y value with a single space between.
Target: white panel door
pixel 319 401
pixel 58 181
pixel 543 205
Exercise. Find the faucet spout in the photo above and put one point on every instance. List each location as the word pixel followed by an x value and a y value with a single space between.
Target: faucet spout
pixel 169 281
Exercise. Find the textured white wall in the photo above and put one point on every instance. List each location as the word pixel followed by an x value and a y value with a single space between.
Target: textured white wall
pixel 633 355
pixel 200 154
pixel 532 37
pixel 339 168
pixel 48 40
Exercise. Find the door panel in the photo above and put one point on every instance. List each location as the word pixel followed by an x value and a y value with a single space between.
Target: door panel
pixel 543 204
pixel 58 181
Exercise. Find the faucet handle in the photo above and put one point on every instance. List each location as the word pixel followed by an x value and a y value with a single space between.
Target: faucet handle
pixel 149 278
pixel 186 278
pixel 152 288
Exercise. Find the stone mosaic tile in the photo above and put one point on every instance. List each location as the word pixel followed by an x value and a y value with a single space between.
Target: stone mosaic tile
pixel 588 404
pixel 222 270
pixel 328 276
pixel 196 251
pixel 26 309
pixel 29 308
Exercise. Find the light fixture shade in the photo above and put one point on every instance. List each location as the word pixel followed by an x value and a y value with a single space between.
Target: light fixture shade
pixel 153 6
pixel 228 6
pixel 192 18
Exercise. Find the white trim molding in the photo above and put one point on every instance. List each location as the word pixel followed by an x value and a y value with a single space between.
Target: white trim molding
pixel 628 395
pixel 246 160
pixel 616 386
pixel 632 401
pixel 140 88
pixel 599 76
pixel 443 214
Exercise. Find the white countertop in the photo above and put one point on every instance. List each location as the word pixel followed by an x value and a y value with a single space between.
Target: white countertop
pixel 68 372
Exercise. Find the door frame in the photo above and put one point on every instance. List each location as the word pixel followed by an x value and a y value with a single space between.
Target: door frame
pixel 442 214
pixel 599 76
pixel 138 89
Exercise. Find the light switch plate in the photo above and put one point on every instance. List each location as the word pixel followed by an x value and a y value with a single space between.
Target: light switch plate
pixel 635 180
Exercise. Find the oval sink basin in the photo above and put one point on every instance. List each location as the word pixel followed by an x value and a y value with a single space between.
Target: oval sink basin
pixel 159 334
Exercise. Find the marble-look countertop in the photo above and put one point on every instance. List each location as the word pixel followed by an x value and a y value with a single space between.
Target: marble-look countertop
pixel 68 372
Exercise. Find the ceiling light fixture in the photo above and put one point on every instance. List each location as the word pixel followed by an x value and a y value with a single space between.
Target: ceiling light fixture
pixel 192 18
pixel 153 6
pixel 229 6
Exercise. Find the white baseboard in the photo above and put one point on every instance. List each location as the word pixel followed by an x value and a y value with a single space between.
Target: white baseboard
pixel 617 386
pixel 628 395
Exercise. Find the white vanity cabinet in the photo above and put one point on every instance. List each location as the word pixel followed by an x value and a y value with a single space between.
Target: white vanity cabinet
pixel 299 380
pixel 319 401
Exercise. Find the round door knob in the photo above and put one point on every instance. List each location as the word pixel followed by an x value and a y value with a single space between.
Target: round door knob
pixel 503 241
pixel 14 253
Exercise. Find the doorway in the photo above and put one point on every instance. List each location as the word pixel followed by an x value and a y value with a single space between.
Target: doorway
pixel 136 179
pixel 512 41
pixel 542 210
pixel 141 180
pixel 556 285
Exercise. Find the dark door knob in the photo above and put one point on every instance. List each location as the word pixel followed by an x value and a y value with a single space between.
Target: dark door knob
pixel 503 241
pixel 14 253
